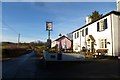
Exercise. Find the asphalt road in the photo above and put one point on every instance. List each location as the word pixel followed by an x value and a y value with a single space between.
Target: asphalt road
pixel 30 66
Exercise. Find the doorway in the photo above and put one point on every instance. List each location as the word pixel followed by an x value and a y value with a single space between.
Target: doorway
pixel 92 47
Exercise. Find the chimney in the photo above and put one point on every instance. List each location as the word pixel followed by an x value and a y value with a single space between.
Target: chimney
pixel 88 19
pixel 118 5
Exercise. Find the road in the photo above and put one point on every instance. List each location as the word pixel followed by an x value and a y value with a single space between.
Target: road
pixel 32 67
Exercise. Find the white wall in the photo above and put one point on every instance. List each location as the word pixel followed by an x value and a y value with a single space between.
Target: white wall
pixel 65 57
pixel 106 34
pixel 116 34
pixel 76 42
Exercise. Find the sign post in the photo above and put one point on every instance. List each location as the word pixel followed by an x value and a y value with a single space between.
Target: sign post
pixel 49 26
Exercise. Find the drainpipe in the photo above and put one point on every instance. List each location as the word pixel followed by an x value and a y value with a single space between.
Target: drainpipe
pixel 111 33
pixel 118 34
pixel 80 40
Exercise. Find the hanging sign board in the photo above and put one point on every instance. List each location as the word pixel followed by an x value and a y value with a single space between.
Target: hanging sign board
pixel 49 26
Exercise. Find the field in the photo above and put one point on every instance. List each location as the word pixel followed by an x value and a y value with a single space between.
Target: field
pixel 11 50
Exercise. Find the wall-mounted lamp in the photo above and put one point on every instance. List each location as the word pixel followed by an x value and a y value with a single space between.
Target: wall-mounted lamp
pixel 108 42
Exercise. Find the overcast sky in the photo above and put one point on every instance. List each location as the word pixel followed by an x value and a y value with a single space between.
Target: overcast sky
pixel 29 18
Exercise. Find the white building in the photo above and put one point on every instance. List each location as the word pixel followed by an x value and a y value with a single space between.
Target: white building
pixel 102 35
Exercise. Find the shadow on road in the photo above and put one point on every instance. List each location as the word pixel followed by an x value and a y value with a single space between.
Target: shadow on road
pixel 31 66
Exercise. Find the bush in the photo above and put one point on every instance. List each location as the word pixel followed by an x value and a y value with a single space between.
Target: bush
pixel 54 49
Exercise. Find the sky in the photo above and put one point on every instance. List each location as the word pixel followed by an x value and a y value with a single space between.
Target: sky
pixel 58 0
pixel 29 18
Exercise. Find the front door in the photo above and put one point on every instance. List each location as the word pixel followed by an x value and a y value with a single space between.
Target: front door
pixel 92 47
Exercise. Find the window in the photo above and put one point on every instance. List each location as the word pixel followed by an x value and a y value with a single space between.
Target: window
pixel 102 25
pixel 86 31
pixel 105 43
pixel 83 32
pixel 77 34
pixel 102 43
pixel 98 27
pixel 105 23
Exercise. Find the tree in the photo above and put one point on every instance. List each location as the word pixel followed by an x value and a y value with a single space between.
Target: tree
pixel 95 15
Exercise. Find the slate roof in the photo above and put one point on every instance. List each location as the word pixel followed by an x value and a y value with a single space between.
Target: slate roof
pixel 62 37
pixel 112 12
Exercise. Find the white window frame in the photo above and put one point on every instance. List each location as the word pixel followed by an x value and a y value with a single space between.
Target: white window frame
pixel 101 25
pixel 102 43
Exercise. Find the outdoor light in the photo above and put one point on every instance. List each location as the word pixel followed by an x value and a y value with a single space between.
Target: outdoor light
pixel 108 42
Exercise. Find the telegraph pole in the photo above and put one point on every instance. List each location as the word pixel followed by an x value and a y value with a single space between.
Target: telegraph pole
pixel 18 39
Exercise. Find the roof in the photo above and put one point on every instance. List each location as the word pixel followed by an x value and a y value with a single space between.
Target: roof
pixel 61 37
pixel 112 12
